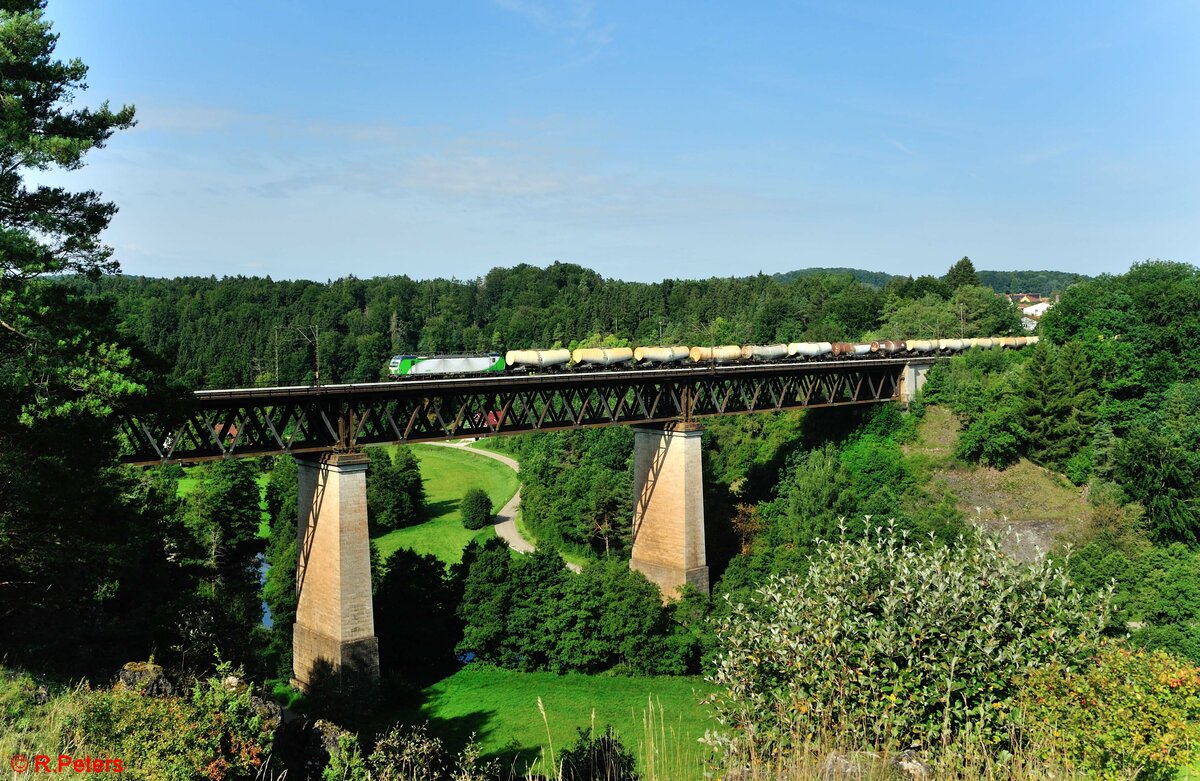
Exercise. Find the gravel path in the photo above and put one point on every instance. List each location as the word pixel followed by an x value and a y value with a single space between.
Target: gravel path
pixel 506 519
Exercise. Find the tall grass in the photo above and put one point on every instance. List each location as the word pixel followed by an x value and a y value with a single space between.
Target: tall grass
pixel 665 754
pixel 970 759
pixel 29 728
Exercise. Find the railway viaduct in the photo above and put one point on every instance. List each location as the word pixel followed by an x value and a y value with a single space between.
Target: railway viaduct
pixel 326 427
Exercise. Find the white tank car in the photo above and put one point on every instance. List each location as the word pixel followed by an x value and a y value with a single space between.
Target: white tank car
pixel 601 356
pixel 537 358
pixel 722 354
pixel 765 352
pixel 810 349
pixel 661 354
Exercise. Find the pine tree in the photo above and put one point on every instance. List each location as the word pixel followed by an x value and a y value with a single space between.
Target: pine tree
pixel 1104 444
pixel 1043 406
pixel 75 552
pixel 960 274
pixel 1075 410
pixel 45 358
pixel 1157 472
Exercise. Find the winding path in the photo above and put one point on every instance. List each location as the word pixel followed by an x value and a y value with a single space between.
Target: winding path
pixel 506 519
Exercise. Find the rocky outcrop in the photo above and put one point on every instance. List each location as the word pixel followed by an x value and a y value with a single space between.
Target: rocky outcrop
pixel 145 678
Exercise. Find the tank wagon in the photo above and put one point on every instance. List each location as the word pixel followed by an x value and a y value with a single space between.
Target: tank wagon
pixel 609 358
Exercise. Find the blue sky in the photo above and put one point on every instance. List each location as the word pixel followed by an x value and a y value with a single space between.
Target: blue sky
pixel 644 139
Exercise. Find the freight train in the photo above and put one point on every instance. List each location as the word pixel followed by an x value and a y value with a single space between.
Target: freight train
pixel 600 358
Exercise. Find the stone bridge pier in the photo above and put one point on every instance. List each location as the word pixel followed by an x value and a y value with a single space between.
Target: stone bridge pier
pixel 912 380
pixel 334 633
pixel 668 512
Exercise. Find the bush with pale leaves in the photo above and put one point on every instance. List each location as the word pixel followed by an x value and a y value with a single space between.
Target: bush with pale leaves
pixel 893 643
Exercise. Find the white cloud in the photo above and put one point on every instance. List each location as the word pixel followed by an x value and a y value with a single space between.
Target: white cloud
pixel 576 19
pixel 900 146
pixel 190 120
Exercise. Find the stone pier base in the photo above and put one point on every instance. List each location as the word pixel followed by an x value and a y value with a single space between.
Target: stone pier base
pixel 668 514
pixel 333 639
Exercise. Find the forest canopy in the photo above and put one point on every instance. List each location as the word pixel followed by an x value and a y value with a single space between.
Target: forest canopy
pixel 243 331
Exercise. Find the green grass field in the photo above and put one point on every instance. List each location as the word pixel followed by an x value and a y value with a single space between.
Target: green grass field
pixel 448 474
pixel 501 708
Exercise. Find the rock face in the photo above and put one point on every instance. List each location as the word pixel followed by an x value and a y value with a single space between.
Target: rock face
pixel 269 711
pixel 145 678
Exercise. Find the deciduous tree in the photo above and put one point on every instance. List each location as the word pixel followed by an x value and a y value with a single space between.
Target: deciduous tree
pixel 415 619
pixel 223 514
pixel 279 588
pixel 395 493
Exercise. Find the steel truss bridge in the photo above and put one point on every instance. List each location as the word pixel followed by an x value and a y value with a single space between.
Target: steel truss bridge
pixel 247 422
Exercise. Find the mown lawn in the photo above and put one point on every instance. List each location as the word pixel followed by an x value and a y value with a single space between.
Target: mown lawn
pixel 448 474
pixel 501 708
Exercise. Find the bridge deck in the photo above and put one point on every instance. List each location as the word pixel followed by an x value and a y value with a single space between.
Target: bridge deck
pixel 247 422
pixel 565 378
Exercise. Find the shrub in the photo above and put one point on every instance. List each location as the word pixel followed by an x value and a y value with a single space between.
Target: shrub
pixel 896 644
pixel 1079 466
pixel 412 754
pixel 597 758
pixel 408 754
pixel 214 732
pixel 345 761
pixel 1130 711
pixel 992 439
pixel 476 509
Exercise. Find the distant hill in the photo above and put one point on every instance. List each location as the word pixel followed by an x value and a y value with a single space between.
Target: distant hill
pixel 1040 282
pixel 872 278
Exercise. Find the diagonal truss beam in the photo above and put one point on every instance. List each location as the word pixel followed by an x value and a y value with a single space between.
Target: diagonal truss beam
pixel 255 423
